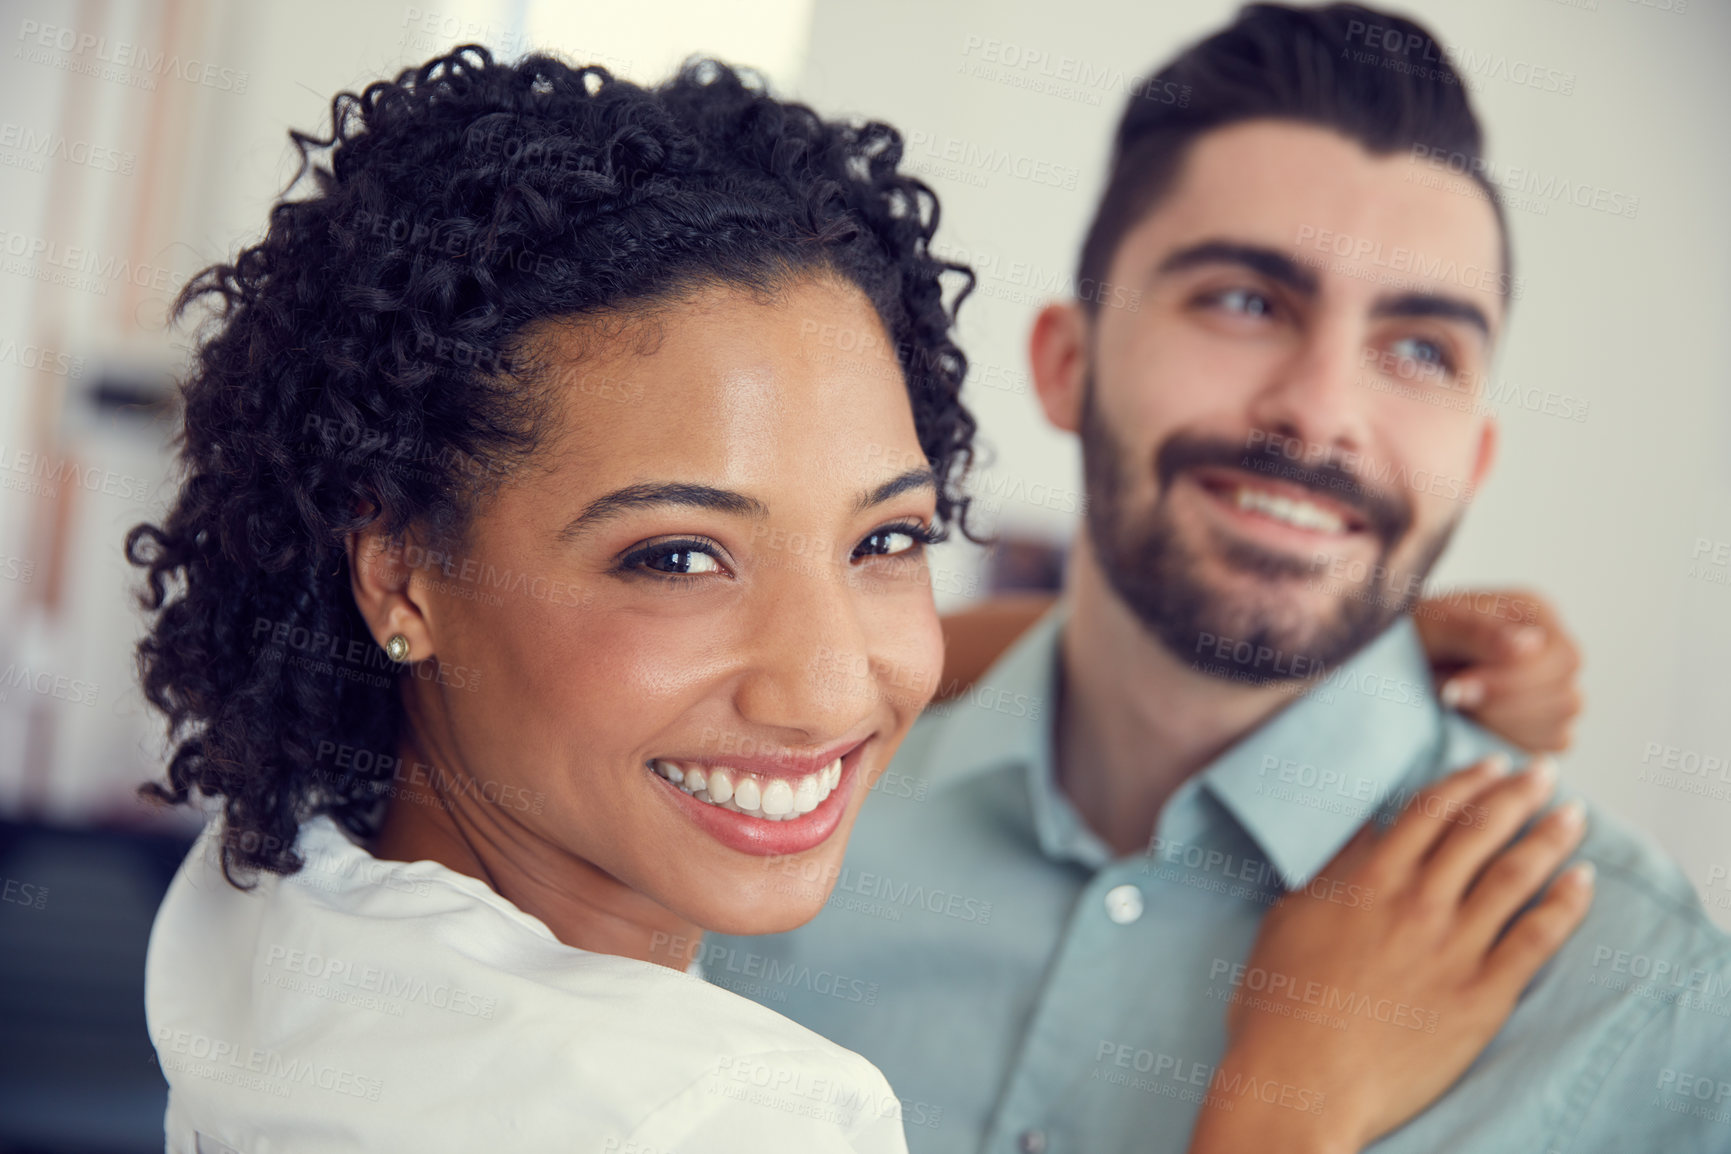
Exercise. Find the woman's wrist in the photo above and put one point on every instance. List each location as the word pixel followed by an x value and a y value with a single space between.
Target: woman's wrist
pixel 1251 1105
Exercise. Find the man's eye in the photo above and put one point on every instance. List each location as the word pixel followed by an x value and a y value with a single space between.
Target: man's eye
pixel 1249 302
pixel 1423 352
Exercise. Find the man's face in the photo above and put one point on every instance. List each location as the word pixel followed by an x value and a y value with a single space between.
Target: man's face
pixel 1280 438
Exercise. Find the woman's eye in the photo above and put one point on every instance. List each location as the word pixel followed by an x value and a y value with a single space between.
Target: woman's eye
pixel 679 560
pixel 1249 302
pixel 890 542
pixel 687 561
pixel 885 543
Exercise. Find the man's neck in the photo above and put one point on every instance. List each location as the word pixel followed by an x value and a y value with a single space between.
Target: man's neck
pixel 1135 720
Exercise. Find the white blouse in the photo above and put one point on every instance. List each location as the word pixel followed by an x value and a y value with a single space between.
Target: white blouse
pixel 370 1005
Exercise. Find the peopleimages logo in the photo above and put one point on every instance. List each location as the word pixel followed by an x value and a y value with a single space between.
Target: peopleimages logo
pixel 1364 257
pixel 50 473
pixel 1061 75
pixel 44 146
pixel 46 683
pixel 1524 186
pixel 387 983
pixel 1419 55
pixel 93 270
pixel 222 1060
pixel 991 160
pixel 94 55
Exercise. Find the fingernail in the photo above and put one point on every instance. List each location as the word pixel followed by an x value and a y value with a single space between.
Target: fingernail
pixel 1498 765
pixel 1462 693
pixel 1581 873
pixel 1572 814
pixel 1527 639
pixel 1543 769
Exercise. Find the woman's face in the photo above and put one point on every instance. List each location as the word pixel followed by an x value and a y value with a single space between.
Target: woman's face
pixel 690 635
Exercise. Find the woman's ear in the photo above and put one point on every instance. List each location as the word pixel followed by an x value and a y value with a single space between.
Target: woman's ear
pixel 379 576
pixel 1058 354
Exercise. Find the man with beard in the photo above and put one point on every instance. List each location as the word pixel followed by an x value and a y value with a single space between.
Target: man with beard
pixel 1043 920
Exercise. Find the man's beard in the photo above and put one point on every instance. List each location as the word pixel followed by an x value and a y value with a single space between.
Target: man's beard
pixel 1158 574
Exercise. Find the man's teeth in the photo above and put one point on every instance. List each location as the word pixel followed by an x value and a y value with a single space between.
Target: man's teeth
pixel 1293 511
pixel 770 798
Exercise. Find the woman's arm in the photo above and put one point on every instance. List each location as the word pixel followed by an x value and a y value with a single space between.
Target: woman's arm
pixel 975 637
pixel 1502 658
pixel 1413 920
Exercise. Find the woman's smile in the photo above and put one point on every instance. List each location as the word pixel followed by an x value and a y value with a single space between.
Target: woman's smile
pixel 764 806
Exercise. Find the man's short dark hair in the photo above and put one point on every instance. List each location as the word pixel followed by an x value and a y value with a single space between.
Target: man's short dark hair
pixel 1379 79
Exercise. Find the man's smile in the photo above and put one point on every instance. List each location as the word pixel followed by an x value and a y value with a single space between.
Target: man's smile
pixel 1278 515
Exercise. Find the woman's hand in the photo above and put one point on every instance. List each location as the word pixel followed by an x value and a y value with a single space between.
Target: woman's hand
pixel 1503 658
pixel 1378 1005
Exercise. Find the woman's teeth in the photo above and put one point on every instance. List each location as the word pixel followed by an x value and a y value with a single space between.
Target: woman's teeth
pixel 1299 512
pixel 769 798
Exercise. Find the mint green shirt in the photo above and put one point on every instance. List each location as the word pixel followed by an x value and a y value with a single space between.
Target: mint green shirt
pixel 1027 991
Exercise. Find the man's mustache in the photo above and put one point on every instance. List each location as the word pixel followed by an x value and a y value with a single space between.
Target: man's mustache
pixel 1386 512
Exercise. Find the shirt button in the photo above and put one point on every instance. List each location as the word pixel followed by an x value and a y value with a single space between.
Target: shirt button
pixel 1124 904
pixel 1032 1142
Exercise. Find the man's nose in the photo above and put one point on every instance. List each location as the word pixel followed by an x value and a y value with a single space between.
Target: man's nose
pixel 1317 394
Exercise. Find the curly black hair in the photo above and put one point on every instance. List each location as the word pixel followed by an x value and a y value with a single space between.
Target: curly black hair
pixel 366 361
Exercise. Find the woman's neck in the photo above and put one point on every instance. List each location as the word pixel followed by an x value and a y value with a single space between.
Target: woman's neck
pixel 430 817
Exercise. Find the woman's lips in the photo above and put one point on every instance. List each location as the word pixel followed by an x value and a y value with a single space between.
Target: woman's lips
pixel 759 813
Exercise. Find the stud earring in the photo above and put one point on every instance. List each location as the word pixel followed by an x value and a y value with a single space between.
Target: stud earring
pixel 397 648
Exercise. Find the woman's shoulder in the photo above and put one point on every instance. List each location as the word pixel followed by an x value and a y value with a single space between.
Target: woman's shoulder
pixel 407 983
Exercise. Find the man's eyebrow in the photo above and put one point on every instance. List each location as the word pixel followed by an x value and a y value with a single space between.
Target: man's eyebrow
pixel 677 493
pixel 1269 262
pixel 896 486
pixel 1430 305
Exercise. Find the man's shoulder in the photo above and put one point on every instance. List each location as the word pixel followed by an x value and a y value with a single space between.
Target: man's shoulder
pixel 1629 1017
pixel 1635 872
pixel 1003 717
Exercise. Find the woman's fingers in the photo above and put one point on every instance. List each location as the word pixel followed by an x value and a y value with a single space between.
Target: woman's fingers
pixel 1537 934
pixel 1537 717
pixel 1511 880
pixel 1499 812
pixel 1505 659
pixel 1433 813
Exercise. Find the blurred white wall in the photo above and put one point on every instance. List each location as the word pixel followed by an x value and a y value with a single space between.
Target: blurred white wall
pixel 1624 314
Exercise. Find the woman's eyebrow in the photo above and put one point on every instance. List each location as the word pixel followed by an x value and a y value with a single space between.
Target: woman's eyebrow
pixel 692 496
pixel 896 486
pixel 678 493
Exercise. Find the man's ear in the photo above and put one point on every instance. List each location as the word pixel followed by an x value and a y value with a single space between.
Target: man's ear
pixel 1489 437
pixel 1058 354
pixel 379 572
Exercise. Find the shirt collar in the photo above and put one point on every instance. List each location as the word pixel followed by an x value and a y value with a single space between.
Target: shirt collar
pixel 1300 785
pixel 1005 719
pixel 1005 716
pixel 1303 782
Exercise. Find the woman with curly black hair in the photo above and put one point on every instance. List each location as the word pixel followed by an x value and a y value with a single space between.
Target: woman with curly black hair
pixel 545 589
